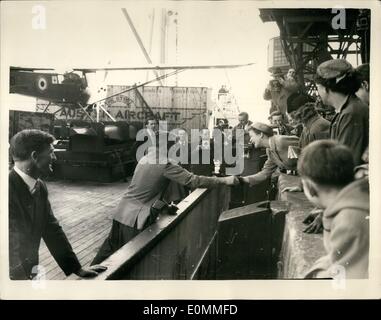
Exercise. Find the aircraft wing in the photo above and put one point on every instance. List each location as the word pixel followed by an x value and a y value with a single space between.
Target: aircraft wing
pixel 29 69
pixel 165 67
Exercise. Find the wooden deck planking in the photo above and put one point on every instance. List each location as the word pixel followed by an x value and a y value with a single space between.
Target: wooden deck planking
pixel 84 211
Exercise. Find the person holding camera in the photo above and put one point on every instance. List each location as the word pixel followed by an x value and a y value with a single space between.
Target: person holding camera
pixel 279 89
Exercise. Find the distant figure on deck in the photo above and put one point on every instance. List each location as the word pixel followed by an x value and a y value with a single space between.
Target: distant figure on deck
pixel 278 121
pixel 223 91
pixel 315 127
pixel 148 184
pixel 337 82
pixel 279 90
pixel 183 150
pixel 326 169
pixel 30 215
pixel 277 149
pixel 202 155
pixel 297 127
pixel 243 121
pixel 363 94
pixel 363 91
pixel 152 128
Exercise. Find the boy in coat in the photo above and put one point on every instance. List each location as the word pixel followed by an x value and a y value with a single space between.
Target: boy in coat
pixel 326 168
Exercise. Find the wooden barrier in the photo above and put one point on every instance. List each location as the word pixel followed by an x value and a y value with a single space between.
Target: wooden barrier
pixel 174 247
pixel 299 250
pixel 184 246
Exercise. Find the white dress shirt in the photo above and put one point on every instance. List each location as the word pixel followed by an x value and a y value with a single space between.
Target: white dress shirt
pixel 30 182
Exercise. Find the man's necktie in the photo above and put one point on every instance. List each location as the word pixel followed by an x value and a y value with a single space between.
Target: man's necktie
pixel 36 187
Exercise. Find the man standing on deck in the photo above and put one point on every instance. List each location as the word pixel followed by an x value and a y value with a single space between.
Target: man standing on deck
pixel 30 215
pixel 152 129
pixel 243 121
pixel 278 121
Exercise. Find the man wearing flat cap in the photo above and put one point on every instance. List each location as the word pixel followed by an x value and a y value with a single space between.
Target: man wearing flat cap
pixel 337 84
pixel 281 152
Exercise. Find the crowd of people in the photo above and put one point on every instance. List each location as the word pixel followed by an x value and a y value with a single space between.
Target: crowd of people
pixel 333 160
pixel 329 154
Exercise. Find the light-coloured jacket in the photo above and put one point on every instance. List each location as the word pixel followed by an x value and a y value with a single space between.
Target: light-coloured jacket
pixel 277 157
pixel 147 184
pixel 346 235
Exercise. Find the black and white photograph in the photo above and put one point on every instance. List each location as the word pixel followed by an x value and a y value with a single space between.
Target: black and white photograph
pixel 232 143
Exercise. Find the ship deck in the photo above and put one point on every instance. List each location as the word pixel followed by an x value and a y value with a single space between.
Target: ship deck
pixel 84 211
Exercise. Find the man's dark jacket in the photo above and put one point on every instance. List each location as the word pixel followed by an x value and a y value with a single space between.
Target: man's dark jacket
pixel 30 220
pixel 351 127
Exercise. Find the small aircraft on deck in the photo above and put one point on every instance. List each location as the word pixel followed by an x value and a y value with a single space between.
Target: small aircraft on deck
pixel 71 88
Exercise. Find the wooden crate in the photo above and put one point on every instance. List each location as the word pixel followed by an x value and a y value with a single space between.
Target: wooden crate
pixel 185 107
pixel 20 120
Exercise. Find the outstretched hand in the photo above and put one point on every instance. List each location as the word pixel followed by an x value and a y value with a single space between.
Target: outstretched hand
pixel 231 180
pixel 91 272
pixel 292 189
pixel 314 221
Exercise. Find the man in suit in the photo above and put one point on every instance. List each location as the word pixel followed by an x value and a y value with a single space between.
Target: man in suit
pixel 202 155
pixel 281 152
pixel 30 215
pixel 152 128
pixel 243 121
pixel 148 184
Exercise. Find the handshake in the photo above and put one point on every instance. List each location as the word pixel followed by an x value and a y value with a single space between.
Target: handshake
pixel 234 180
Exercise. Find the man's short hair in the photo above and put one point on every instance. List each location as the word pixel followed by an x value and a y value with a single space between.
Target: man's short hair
pixel 25 142
pixel 244 114
pixel 150 119
pixel 363 71
pixel 327 163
